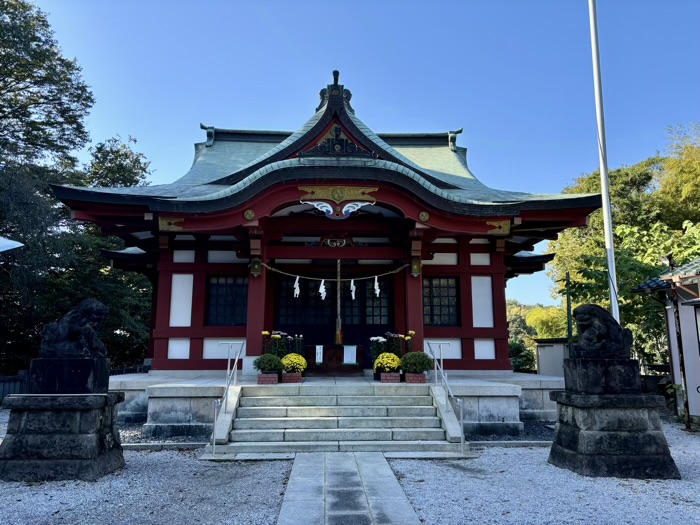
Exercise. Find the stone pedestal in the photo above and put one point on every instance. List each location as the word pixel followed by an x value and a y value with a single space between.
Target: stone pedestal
pixel 67 375
pixel 605 426
pixel 57 437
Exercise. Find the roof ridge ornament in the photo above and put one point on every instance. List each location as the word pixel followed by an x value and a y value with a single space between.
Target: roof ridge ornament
pixel 452 138
pixel 211 133
pixel 335 94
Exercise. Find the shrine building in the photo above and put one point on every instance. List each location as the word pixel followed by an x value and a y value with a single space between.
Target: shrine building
pixel 332 228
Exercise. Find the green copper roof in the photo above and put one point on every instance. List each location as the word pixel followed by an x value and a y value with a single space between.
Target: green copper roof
pixel 233 165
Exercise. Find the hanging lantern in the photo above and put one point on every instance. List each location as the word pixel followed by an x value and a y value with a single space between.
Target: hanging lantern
pixel 415 266
pixel 256 266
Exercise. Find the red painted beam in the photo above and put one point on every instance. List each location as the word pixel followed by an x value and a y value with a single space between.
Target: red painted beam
pixel 322 252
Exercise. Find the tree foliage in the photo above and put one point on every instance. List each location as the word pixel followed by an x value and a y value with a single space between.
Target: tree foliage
pixel 43 99
pixel 115 164
pixel 651 204
pixel 60 265
pixel 43 103
pixel 548 321
pixel 679 180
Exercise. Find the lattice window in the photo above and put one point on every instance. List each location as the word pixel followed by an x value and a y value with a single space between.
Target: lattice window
pixel 308 308
pixel 227 301
pixel 377 308
pixel 440 301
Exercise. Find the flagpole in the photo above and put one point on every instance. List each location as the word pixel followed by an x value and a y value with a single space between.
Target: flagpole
pixel 603 157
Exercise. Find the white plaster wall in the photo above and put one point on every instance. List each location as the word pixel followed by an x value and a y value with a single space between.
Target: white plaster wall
pixel 482 301
pixel 223 256
pixel 183 256
pixel 484 349
pixel 672 343
pixel 442 259
pixel 451 348
pixel 691 356
pixel 178 348
pixel 181 299
pixel 214 350
pixel 480 259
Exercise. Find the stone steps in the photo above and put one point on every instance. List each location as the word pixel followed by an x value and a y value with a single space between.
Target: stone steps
pixel 263 447
pixel 318 401
pixel 339 434
pixel 337 411
pixel 257 423
pixel 299 418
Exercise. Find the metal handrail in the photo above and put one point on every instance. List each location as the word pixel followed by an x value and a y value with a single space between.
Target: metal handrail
pixel 440 372
pixel 231 374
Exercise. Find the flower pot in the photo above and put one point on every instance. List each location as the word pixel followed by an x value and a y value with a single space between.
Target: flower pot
pixel 291 377
pixel 377 376
pixel 415 378
pixel 268 378
pixel 391 377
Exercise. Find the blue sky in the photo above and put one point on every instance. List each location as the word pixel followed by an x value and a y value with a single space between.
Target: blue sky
pixel 515 74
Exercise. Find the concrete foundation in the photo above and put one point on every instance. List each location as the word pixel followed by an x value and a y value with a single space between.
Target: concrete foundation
pixel 181 410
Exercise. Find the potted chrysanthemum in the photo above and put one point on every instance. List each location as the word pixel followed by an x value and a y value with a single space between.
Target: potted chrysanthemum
pixel 270 367
pixel 294 366
pixel 415 365
pixel 388 366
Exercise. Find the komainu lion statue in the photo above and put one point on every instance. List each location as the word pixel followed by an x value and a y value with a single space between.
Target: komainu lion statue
pixel 73 336
pixel 600 335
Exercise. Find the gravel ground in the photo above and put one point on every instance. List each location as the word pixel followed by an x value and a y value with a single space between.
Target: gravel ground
pixel 156 488
pixel 133 433
pixel 517 486
pixel 502 486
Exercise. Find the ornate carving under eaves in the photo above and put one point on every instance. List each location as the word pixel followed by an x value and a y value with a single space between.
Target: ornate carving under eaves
pixel 337 194
pixel 336 143
pixel 337 242
pixel 170 224
pixel 335 211
pixel 499 227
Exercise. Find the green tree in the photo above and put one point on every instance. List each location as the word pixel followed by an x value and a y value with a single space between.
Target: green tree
pixel 520 337
pixel 115 164
pixel 547 321
pixel 679 180
pixel 61 264
pixel 43 99
pixel 651 202
pixel 43 104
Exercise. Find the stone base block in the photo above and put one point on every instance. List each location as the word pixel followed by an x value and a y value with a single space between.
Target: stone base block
pixel 611 436
pixel 650 466
pixel 35 470
pixel 58 437
pixel 602 376
pixel 69 376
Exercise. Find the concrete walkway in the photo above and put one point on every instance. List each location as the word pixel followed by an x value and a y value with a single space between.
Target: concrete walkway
pixel 344 488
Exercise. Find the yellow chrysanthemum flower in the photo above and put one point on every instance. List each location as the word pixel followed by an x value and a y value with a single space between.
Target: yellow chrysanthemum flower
pixel 294 363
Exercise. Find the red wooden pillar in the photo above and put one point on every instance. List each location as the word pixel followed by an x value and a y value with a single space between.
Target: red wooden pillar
pixel 257 287
pixel 500 320
pixel 162 308
pixel 414 308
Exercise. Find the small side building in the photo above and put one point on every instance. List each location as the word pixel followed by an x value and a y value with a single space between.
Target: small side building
pixel 678 290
